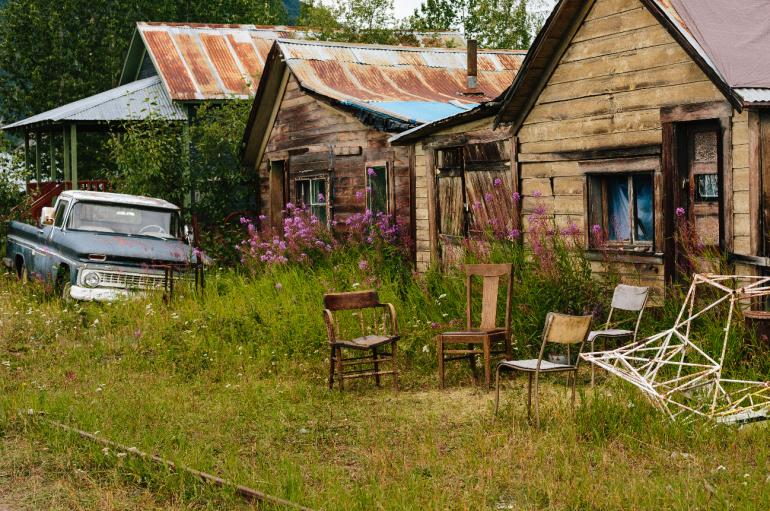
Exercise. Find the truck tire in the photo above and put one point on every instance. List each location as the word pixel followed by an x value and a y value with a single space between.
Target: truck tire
pixel 64 284
pixel 22 273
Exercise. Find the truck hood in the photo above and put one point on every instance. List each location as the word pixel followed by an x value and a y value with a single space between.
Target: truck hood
pixel 123 249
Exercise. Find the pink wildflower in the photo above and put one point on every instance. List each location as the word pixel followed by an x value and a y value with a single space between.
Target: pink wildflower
pixel 680 212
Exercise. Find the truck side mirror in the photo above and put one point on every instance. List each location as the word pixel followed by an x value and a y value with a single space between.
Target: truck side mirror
pixel 46 216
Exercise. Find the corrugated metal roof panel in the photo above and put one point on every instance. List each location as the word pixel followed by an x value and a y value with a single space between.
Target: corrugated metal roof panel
pixel 199 62
pixel 370 73
pixel 134 101
pixel 754 95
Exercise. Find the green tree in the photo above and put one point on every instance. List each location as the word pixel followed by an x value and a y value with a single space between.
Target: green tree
pixel 494 23
pixel 57 51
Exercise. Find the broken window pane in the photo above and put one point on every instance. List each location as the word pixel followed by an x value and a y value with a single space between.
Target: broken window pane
pixel 706 187
pixel 377 187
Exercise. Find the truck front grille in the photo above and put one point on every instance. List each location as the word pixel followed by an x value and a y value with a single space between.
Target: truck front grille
pixel 131 280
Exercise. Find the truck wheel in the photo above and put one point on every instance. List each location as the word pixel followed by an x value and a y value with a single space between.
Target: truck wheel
pixel 64 285
pixel 22 274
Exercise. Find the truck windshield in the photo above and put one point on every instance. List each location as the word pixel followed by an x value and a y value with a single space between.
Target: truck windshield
pixel 133 220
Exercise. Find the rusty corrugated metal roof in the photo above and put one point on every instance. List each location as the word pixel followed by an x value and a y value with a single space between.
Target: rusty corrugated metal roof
pixel 209 61
pixel 372 73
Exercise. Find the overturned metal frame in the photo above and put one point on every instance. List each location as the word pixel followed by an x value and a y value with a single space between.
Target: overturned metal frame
pixel 679 376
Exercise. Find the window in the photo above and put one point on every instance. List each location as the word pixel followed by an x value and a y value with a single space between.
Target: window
pixel 622 205
pixel 131 220
pixel 58 215
pixel 377 189
pixel 313 193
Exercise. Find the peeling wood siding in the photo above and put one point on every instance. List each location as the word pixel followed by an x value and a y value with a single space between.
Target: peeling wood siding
pixel 314 136
pixel 619 70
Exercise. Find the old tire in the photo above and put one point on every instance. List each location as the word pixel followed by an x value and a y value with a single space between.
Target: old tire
pixel 64 285
pixel 22 273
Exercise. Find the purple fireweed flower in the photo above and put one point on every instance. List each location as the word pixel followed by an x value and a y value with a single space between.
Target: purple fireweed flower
pixel 488 197
pixel 321 197
pixel 476 205
pixel 596 229
pixel 498 181
pixel 362 264
pixel 371 172
pixel 680 212
pixel 289 206
pixel 278 286
pixel 537 193
pixel 359 195
pixel 516 197
pixel 262 218
pixel 514 234
pixel 244 220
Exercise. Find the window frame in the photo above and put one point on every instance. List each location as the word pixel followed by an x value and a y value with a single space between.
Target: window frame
pixel 633 215
pixel 629 166
pixel 64 204
pixel 314 199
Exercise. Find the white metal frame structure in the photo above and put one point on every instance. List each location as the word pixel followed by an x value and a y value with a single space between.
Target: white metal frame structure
pixel 677 374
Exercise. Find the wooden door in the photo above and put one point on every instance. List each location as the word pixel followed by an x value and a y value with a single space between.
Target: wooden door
pixel 699 194
pixel 278 192
pixel 450 203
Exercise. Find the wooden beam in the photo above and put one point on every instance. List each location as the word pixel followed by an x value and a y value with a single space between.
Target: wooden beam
pixel 74 155
pixel 516 181
pixel 669 161
pixel 430 175
pixel 593 154
pixel 755 183
pixel 696 112
pixel 726 163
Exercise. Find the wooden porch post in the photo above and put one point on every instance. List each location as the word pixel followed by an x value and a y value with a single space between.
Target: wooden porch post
pixel 66 143
pixel 74 155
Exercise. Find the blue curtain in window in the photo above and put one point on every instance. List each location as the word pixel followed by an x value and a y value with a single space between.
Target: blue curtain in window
pixel 644 210
pixel 618 208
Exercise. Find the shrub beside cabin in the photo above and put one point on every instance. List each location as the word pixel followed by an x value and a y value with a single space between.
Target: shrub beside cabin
pixel 319 128
pixel 623 112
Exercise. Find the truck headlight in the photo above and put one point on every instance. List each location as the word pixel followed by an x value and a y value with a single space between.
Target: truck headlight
pixel 91 279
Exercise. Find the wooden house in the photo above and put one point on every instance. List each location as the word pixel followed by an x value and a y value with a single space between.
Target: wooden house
pixel 629 117
pixel 319 128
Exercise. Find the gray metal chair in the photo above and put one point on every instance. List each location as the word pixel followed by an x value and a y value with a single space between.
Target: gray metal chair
pixel 625 298
pixel 559 329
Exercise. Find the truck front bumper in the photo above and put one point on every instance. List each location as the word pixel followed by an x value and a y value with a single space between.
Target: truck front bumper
pixel 101 294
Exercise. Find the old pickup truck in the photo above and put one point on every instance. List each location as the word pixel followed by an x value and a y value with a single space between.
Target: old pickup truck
pixel 101 246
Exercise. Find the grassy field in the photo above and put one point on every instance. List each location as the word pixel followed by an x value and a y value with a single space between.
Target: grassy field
pixel 233 383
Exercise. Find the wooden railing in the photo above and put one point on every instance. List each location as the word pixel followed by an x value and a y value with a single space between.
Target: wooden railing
pixel 45 193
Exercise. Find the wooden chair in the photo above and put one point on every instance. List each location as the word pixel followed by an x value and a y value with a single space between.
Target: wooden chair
pixel 487 333
pixel 625 298
pixel 559 329
pixel 378 328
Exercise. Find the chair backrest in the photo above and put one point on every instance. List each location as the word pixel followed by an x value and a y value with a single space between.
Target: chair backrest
pixel 564 329
pixel 630 298
pixel 491 275
pixel 351 301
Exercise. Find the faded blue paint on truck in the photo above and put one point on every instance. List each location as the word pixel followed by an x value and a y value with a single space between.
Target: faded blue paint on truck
pixel 61 256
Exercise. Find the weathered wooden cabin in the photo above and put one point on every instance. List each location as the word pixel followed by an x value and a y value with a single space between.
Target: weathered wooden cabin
pixel 626 111
pixel 323 112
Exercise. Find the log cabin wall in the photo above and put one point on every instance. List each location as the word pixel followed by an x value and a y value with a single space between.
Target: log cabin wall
pixel 313 141
pixel 604 101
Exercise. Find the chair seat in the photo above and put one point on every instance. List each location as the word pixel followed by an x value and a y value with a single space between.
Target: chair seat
pixel 367 342
pixel 531 365
pixel 612 332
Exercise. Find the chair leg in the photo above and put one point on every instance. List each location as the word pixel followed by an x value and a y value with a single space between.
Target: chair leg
pixel 487 363
pixel 394 351
pixel 472 361
pixel 593 370
pixel 376 367
pixel 529 398
pixel 574 384
pixel 440 351
pixel 537 399
pixel 340 369
pixel 497 388
pixel 332 360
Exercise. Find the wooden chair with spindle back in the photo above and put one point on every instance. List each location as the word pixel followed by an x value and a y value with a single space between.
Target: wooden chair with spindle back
pixel 488 334
pixel 380 331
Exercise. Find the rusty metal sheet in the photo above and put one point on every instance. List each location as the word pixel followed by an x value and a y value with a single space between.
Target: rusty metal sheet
pixel 370 73
pixel 209 61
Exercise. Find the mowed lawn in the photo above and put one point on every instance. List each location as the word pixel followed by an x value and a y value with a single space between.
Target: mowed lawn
pixel 144 374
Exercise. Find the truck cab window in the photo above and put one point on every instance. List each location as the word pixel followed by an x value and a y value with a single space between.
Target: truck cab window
pixel 58 215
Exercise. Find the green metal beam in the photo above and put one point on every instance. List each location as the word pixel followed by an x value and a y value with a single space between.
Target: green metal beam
pixel 38 172
pixel 26 156
pixel 52 156
pixel 74 155
pixel 66 139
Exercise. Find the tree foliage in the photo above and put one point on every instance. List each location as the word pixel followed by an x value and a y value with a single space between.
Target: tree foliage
pixel 57 51
pixel 494 23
